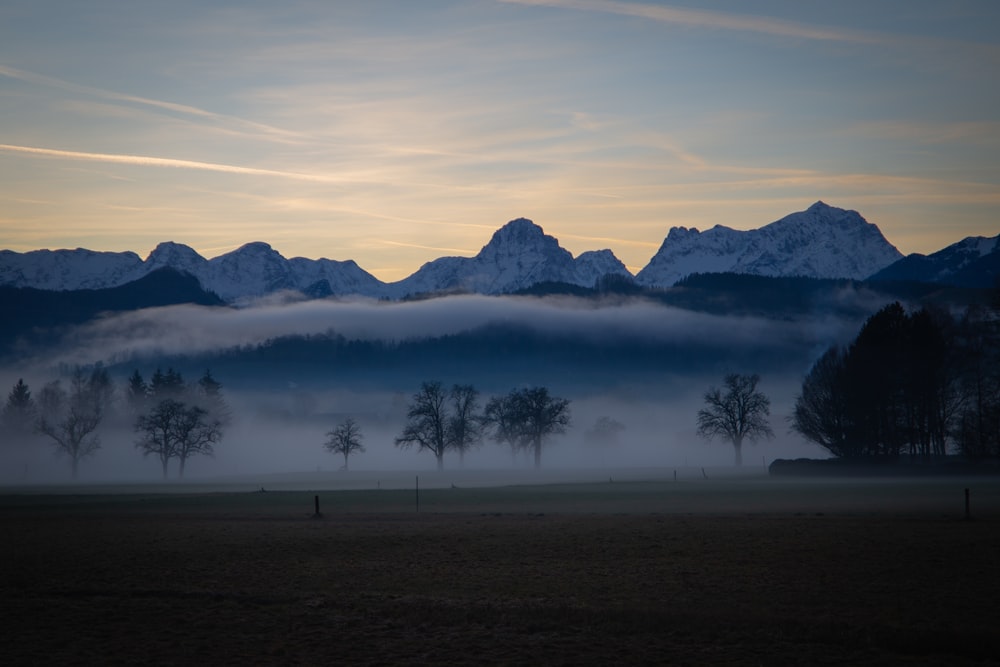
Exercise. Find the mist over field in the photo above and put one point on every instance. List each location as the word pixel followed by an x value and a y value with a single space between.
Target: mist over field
pixel 282 411
pixel 189 329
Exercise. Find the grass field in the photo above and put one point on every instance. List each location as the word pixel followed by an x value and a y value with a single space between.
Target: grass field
pixel 734 570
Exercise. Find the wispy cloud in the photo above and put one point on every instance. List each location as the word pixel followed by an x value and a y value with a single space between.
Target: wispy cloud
pixel 709 19
pixel 149 161
pixel 460 251
pixel 259 129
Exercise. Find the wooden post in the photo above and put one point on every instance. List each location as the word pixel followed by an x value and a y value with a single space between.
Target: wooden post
pixel 967 514
pixel 316 504
pixel 418 493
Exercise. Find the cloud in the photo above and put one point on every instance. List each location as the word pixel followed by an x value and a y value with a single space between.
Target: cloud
pixel 709 19
pixel 149 161
pixel 193 329
pixel 259 130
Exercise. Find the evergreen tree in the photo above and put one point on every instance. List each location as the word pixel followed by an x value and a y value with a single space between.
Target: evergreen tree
pixel 19 412
pixel 210 398
pixel 166 385
pixel 137 393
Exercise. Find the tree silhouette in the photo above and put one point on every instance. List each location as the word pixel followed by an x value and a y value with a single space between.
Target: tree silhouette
pixel 158 431
pixel 464 426
pixel 70 419
pixel 166 385
pixel 427 422
pixel 738 414
pixel 136 393
pixel 345 439
pixel 499 418
pixel 19 412
pixel 525 418
pixel 822 413
pixel 196 433
pixel 209 397
pixel 896 389
pixel 173 429
pixel 604 432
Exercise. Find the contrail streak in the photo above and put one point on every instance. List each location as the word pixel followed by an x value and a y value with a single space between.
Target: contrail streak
pixel 149 161
pixel 41 79
pixel 709 19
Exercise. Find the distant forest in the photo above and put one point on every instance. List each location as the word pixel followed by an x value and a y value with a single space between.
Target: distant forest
pixel 504 353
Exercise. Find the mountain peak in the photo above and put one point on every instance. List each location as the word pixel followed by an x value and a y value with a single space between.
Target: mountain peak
pixel 519 238
pixel 255 248
pixel 519 230
pixel 821 242
pixel 173 254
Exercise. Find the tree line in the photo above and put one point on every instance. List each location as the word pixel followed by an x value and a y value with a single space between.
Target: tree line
pixel 923 385
pixel 919 384
pixel 441 420
pixel 172 419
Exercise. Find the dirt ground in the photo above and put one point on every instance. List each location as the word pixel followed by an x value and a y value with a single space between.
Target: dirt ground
pixel 253 579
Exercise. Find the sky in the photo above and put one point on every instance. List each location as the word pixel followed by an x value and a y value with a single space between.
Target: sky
pixel 393 132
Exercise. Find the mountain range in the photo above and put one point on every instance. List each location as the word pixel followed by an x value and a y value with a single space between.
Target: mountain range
pixel 820 242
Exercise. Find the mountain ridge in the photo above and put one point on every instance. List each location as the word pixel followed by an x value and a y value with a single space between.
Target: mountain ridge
pixel 822 242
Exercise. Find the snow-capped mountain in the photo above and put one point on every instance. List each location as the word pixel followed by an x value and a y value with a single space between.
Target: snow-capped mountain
pixel 68 269
pixel 252 270
pixel 972 262
pixel 519 255
pixel 820 242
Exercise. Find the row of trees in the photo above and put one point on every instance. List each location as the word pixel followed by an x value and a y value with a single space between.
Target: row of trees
pixel 176 420
pixel 68 416
pixel 173 419
pixel 441 420
pixel 920 384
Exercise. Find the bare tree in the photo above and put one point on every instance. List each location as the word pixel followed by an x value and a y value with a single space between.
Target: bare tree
pixel 70 419
pixel 538 416
pixel 738 414
pixel 604 432
pixel 465 427
pixel 427 422
pixel 345 439
pixel 159 431
pixel 196 432
pixel 499 418
pixel 524 418
pixel 173 429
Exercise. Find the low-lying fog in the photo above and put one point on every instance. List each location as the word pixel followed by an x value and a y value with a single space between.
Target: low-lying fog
pixel 286 434
pixel 283 430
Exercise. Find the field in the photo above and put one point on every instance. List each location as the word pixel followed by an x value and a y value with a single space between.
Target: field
pixel 720 571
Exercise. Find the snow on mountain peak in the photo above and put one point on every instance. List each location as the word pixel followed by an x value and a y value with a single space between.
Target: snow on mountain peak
pixel 821 242
pixel 67 269
pixel 519 255
pixel 175 255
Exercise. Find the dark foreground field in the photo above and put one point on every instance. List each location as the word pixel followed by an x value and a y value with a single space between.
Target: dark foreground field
pixel 770 574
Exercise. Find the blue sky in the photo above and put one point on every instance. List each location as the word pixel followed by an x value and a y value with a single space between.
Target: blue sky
pixel 393 132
